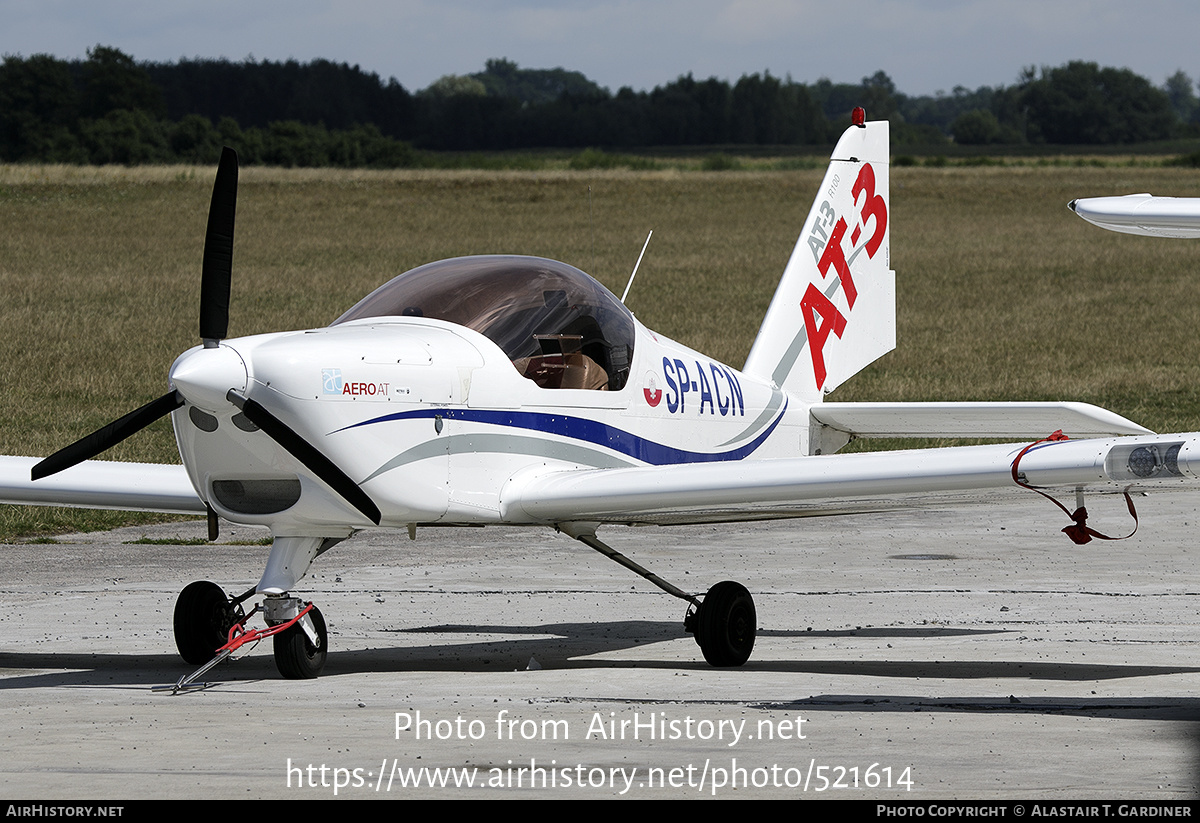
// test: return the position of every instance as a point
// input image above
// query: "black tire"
(295, 656)
(725, 625)
(203, 617)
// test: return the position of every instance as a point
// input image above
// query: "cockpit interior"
(559, 327)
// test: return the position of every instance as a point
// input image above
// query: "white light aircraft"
(519, 391)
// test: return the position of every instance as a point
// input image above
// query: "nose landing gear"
(300, 649)
(209, 627)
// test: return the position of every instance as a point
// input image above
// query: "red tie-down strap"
(1080, 532)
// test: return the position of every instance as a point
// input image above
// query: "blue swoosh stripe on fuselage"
(581, 428)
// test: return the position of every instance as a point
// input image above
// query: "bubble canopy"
(546, 316)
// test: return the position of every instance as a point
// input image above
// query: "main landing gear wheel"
(295, 655)
(203, 617)
(725, 624)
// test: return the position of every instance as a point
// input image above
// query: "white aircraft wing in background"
(1142, 214)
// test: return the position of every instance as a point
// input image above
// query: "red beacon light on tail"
(858, 117)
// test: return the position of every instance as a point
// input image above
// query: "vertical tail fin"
(834, 311)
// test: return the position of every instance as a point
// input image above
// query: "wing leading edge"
(838, 484)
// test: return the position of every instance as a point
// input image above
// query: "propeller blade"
(107, 437)
(306, 453)
(218, 251)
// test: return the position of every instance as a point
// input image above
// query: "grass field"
(1003, 293)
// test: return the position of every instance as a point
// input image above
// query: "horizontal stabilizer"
(992, 420)
(97, 484)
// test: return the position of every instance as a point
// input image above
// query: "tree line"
(109, 108)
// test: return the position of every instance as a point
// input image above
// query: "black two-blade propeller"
(216, 279)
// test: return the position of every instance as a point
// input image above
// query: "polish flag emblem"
(651, 390)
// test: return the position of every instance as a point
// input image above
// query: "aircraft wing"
(843, 483)
(97, 484)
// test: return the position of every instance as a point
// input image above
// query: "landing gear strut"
(724, 623)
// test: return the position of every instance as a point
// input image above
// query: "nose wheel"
(300, 650)
(203, 617)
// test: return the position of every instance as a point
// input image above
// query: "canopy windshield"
(560, 327)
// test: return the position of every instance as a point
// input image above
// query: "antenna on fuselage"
(635, 266)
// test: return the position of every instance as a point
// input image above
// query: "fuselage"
(433, 418)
